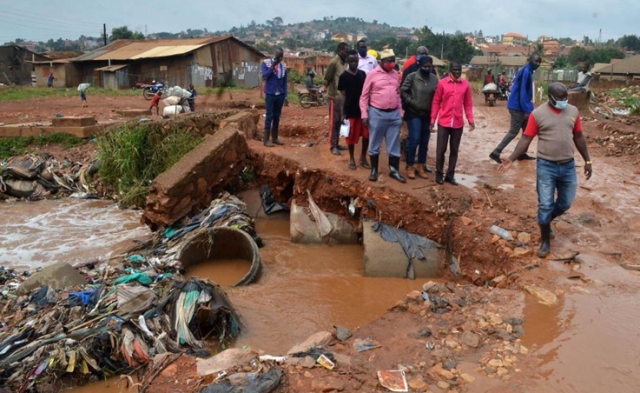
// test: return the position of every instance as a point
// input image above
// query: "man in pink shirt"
(452, 96)
(380, 111)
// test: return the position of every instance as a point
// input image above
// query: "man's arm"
(468, 108)
(405, 90)
(267, 71)
(330, 74)
(525, 90)
(581, 145)
(286, 84)
(364, 99)
(585, 81)
(435, 105)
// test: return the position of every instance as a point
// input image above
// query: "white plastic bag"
(171, 110)
(83, 86)
(171, 101)
(490, 87)
(345, 128)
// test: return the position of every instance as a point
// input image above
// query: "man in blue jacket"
(274, 73)
(520, 105)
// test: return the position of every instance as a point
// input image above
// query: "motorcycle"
(315, 97)
(148, 91)
(505, 92)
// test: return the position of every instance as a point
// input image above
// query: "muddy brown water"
(225, 272)
(589, 342)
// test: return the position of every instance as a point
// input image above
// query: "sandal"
(353, 166)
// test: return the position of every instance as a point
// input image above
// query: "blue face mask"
(363, 51)
(559, 104)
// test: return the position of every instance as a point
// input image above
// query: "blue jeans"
(552, 176)
(419, 133)
(274, 105)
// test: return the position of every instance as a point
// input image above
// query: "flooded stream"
(590, 342)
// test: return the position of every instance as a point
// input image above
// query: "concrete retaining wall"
(197, 178)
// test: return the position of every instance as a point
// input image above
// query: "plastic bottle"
(503, 233)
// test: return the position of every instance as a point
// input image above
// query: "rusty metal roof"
(146, 49)
(626, 66)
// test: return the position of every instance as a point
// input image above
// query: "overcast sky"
(41, 20)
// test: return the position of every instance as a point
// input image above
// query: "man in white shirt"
(584, 78)
(366, 62)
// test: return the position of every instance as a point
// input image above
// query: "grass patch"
(133, 156)
(17, 146)
(28, 93)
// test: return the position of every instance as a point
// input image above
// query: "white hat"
(386, 53)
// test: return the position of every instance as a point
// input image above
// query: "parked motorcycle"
(148, 91)
(312, 98)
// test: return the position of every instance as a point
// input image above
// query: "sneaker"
(524, 157)
(495, 157)
(336, 152)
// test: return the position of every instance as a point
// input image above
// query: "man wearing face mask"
(380, 110)
(411, 65)
(366, 62)
(350, 86)
(274, 74)
(331, 78)
(558, 128)
(417, 96)
(453, 95)
(520, 105)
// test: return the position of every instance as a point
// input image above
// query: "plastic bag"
(345, 128)
(490, 87)
(83, 86)
(171, 110)
(171, 101)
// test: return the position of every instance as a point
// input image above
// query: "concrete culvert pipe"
(221, 243)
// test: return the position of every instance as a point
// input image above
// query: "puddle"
(111, 385)
(225, 272)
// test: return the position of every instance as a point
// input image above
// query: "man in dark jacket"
(417, 92)
(274, 74)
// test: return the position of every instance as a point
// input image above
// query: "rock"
(498, 280)
(443, 385)
(466, 221)
(327, 385)
(452, 344)
(524, 237)
(470, 339)
(342, 360)
(490, 370)
(418, 384)
(513, 321)
(437, 370)
(495, 319)
(320, 339)
(58, 276)
(342, 333)
(440, 353)
(467, 378)
(544, 296)
(520, 252)
(495, 363)
(502, 371)
(523, 350)
(225, 360)
(449, 364)
(308, 362)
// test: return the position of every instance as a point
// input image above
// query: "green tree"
(277, 21)
(631, 42)
(561, 62)
(578, 54)
(123, 33)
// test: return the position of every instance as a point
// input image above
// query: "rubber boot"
(545, 240)
(374, 167)
(394, 164)
(266, 141)
(276, 141)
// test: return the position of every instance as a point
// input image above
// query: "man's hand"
(472, 126)
(587, 171)
(275, 61)
(286, 102)
(506, 164)
(365, 122)
(432, 127)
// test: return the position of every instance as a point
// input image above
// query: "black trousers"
(452, 137)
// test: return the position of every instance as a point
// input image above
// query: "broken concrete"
(58, 276)
(246, 122)
(37, 129)
(386, 259)
(304, 230)
(197, 178)
(73, 121)
(225, 360)
(134, 112)
(320, 340)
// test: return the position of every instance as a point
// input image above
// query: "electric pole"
(104, 33)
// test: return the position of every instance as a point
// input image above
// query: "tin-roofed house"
(204, 62)
(16, 64)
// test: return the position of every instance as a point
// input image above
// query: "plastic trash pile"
(176, 101)
(36, 177)
(117, 322)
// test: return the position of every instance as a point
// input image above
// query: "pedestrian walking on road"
(336, 67)
(380, 109)
(558, 127)
(418, 90)
(350, 86)
(83, 98)
(274, 73)
(453, 95)
(50, 80)
(520, 105)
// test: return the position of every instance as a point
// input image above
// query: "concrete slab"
(580, 100)
(29, 130)
(58, 276)
(387, 259)
(134, 112)
(254, 207)
(73, 121)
